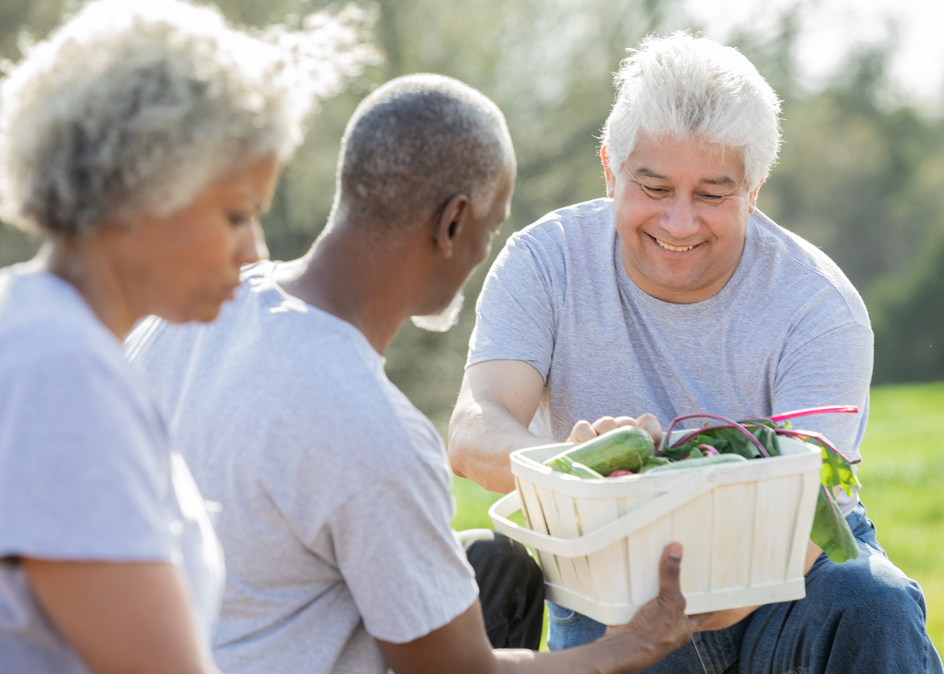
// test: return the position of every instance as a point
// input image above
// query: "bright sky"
(830, 27)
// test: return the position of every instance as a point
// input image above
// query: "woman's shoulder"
(43, 317)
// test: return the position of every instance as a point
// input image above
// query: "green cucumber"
(578, 469)
(697, 463)
(626, 447)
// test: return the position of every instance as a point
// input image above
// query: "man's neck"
(365, 286)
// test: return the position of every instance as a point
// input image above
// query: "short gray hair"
(415, 142)
(135, 105)
(687, 87)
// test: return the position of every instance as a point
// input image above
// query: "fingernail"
(675, 551)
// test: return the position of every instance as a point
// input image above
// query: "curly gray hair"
(135, 105)
(687, 87)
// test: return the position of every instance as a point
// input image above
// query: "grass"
(902, 479)
(903, 488)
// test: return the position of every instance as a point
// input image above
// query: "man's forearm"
(482, 436)
(620, 654)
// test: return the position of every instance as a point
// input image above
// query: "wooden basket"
(744, 528)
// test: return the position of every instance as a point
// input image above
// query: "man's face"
(681, 209)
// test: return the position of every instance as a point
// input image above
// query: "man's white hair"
(135, 105)
(686, 87)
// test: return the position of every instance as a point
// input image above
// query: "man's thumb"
(670, 568)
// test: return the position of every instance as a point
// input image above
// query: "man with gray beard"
(335, 489)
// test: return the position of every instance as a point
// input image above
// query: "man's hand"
(584, 430)
(657, 629)
(661, 624)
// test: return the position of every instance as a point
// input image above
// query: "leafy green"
(830, 531)
(836, 471)
(727, 441)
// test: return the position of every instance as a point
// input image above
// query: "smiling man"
(677, 295)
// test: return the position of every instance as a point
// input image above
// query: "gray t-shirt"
(335, 489)
(85, 469)
(787, 332)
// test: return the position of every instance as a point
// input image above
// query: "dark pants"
(511, 588)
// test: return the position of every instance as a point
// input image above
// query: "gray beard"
(444, 320)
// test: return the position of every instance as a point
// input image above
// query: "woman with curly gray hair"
(142, 140)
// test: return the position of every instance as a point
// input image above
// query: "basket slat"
(534, 516)
(689, 524)
(604, 585)
(732, 535)
(643, 575)
(807, 507)
(774, 523)
(562, 522)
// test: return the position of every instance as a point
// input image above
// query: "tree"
(908, 319)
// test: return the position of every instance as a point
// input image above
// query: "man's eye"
(712, 198)
(654, 191)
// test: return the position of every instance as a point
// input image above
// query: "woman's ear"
(451, 218)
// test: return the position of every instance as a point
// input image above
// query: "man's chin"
(444, 320)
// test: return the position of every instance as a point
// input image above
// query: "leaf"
(830, 530)
(768, 438)
(738, 444)
(836, 470)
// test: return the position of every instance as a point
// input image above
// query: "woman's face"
(184, 265)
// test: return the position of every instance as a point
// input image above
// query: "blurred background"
(861, 175)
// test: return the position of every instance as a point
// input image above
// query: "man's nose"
(679, 217)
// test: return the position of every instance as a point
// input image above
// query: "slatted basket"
(744, 528)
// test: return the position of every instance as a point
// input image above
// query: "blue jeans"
(861, 617)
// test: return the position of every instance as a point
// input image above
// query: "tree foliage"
(861, 173)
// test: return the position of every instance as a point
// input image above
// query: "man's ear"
(451, 219)
(752, 198)
(610, 179)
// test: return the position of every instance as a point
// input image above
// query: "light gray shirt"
(85, 469)
(788, 331)
(335, 489)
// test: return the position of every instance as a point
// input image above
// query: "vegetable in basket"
(626, 447)
(720, 442)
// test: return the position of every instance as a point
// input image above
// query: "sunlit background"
(861, 174)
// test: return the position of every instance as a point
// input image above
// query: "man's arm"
(657, 629)
(496, 403)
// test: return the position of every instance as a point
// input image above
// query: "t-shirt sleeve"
(828, 365)
(516, 310)
(81, 472)
(399, 556)
(833, 368)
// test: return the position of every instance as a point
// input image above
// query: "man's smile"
(674, 249)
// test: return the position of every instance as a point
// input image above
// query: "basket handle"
(619, 528)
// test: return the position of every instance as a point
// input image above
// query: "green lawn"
(903, 487)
